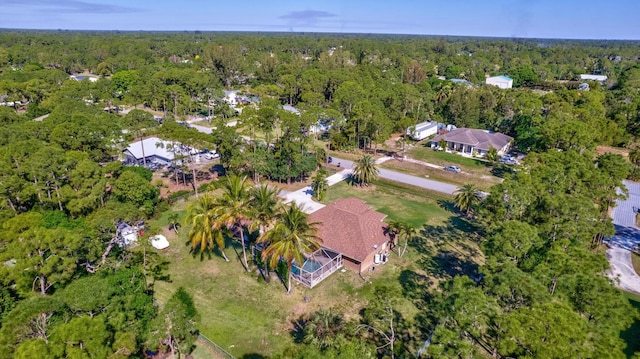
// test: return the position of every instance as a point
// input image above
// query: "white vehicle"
(211, 155)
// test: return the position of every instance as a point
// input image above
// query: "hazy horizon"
(542, 19)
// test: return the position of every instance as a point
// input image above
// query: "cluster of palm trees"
(241, 208)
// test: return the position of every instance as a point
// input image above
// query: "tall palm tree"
(290, 239)
(466, 198)
(205, 232)
(174, 222)
(366, 170)
(319, 184)
(400, 229)
(407, 232)
(232, 209)
(265, 204)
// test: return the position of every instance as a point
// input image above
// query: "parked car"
(454, 169)
(211, 155)
(329, 160)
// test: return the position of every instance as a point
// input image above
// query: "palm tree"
(174, 223)
(466, 198)
(265, 204)
(319, 184)
(205, 232)
(324, 329)
(399, 229)
(366, 170)
(232, 209)
(407, 232)
(290, 239)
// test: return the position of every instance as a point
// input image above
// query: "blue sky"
(586, 19)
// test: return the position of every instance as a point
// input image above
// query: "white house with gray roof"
(155, 150)
(472, 141)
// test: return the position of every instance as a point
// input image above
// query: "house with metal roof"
(501, 81)
(154, 149)
(471, 141)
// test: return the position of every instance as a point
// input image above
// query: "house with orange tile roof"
(352, 228)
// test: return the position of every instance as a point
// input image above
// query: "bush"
(143, 172)
(178, 194)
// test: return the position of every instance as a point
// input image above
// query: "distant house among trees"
(501, 81)
(461, 81)
(473, 142)
(352, 228)
(91, 78)
(155, 150)
(589, 77)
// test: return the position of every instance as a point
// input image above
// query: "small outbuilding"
(423, 130)
(501, 81)
(589, 77)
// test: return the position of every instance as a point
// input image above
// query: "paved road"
(405, 178)
(627, 238)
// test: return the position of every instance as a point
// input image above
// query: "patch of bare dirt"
(608, 149)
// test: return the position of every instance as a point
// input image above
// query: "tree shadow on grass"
(253, 356)
(447, 205)
(501, 170)
(297, 331)
(631, 335)
(445, 250)
(448, 264)
(413, 284)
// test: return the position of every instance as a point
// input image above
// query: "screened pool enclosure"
(317, 267)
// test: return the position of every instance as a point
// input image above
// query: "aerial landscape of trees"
(70, 289)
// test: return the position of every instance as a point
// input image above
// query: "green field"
(413, 205)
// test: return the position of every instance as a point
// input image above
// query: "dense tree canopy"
(68, 291)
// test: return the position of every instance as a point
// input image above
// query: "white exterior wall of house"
(230, 97)
(502, 82)
(590, 77)
(470, 149)
(422, 130)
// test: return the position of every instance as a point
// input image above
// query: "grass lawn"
(246, 316)
(443, 158)
(635, 259)
(413, 205)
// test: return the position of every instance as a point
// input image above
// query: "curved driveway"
(627, 238)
